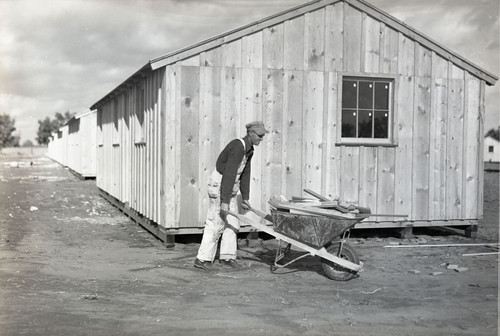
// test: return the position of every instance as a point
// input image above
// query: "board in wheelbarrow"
(314, 230)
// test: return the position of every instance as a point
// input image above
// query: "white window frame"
(389, 141)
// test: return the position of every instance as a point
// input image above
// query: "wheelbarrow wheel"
(337, 272)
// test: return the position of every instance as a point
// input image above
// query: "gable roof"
(296, 11)
(489, 136)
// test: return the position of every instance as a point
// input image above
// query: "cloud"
(60, 55)
(459, 25)
(467, 28)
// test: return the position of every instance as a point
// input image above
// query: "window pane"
(365, 95)
(381, 125)
(140, 105)
(365, 124)
(382, 96)
(349, 94)
(348, 123)
(115, 113)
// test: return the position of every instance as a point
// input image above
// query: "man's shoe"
(206, 265)
(231, 263)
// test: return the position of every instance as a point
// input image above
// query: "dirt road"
(71, 264)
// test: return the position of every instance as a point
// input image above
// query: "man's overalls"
(215, 225)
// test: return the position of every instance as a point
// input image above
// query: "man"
(232, 175)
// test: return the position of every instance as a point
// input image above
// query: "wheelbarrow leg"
(280, 254)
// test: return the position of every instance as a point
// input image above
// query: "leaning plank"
(315, 194)
(334, 204)
(479, 254)
(444, 245)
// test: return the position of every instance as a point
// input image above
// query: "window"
(366, 109)
(116, 112)
(100, 138)
(490, 149)
(139, 115)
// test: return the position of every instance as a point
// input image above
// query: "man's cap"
(257, 126)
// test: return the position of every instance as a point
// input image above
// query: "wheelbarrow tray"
(313, 251)
(314, 230)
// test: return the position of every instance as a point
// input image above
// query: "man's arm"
(227, 164)
(245, 179)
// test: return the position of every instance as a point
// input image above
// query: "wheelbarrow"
(317, 235)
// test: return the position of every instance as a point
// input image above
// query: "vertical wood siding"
(173, 123)
(292, 133)
(58, 146)
(74, 145)
(130, 147)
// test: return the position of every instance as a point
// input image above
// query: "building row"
(74, 144)
(360, 107)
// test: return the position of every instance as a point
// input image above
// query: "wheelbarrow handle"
(262, 214)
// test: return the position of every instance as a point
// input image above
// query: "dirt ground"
(72, 264)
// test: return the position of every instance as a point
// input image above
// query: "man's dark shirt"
(227, 165)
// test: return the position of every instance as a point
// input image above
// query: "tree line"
(494, 133)
(47, 126)
(9, 138)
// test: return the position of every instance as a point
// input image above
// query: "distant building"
(491, 149)
(74, 144)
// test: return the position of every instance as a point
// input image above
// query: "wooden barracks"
(360, 106)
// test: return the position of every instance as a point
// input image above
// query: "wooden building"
(491, 149)
(58, 146)
(53, 147)
(360, 106)
(74, 145)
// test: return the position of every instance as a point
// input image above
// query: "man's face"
(255, 138)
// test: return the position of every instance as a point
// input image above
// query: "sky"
(65, 55)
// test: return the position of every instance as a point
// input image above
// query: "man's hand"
(245, 205)
(224, 209)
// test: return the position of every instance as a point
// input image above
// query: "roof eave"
(197, 48)
(141, 73)
(388, 19)
(371, 10)
(239, 32)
